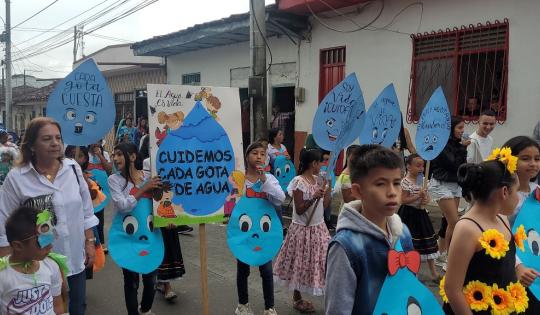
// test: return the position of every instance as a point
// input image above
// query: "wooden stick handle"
(426, 174)
(204, 268)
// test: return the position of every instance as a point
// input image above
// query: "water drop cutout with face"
(433, 127)
(402, 293)
(528, 218)
(134, 243)
(340, 116)
(254, 232)
(284, 171)
(383, 119)
(83, 105)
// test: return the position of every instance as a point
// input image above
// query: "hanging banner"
(83, 105)
(383, 119)
(339, 118)
(433, 129)
(195, 146)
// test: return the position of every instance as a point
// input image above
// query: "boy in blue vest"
(366, 231)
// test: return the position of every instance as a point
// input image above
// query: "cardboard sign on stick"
(83, 105)
(195, 143)
(433, 129)
(383, 119)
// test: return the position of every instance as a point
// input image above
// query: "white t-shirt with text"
(30, 294)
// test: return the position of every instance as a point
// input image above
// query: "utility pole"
(257, 81)
(9, 120)
(74, 44)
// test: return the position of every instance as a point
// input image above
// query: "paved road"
(105, 291)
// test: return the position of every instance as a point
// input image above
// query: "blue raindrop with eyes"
(528, 216)
(340, 116)
(404, 294)
(100, 177)
(433, 129)
(254, 232)
(134, 244)
(83, 105)
(383, 119)
(284, 171)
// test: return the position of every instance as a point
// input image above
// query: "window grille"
(191, 79)
(471, 65)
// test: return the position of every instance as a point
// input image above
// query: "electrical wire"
(360, 27)
(264, 39)
(38, 12)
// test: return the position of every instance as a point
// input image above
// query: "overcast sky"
(161, 17)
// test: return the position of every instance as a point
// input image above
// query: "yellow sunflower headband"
(504, 155)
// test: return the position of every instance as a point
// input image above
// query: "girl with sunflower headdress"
(481, 278)
(528, 152)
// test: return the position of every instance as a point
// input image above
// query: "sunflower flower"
(477, 295)
(441, 290)
(519, 237)
(504, 156)
(518, 293)
(494, 243)
(502, 302)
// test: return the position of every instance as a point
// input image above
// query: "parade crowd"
(52, 236)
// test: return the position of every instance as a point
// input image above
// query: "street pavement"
(105, 291)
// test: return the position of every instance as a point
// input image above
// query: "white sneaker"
(243, 309)
(146, 313)
(441, 260)
(270, 311)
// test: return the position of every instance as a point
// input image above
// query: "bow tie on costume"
(397, 260)
(537, 193)
(251, 193)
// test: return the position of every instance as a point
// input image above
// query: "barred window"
(191, 79)
(471, 65)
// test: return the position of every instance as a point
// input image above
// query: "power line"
(38, 12)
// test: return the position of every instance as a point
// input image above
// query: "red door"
(332, 71)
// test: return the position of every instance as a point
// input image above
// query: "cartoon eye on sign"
(530, 256)
(402, 293)
(383, 119)
(83, 105)
(284, 171)
(340, 116)
(433, 129)
(254, 232)
(134, 244)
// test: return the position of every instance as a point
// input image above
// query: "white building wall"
(383, 57)
(117, 53)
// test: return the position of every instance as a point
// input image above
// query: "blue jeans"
(77, 293)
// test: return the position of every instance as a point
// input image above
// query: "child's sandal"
(304, 306)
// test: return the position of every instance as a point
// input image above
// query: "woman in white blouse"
(45, 180)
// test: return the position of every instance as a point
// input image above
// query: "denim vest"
(368, 258)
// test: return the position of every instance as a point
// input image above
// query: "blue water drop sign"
(433, 128)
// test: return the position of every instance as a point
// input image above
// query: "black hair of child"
(410, 158)
(478, 181)
(308, 156)
(253, 146)
(272, 134)
(454, 121)
(371, 156)
(128, 148)
(352, 149)
(21, 224)
(70, 153)
(520, 143)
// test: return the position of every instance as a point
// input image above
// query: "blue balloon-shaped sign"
(284, 171)
(403, 294)
(254, 232)
(197, 160)
(383, 119)
(134, 244)
(528, 218)
(340, 116)
(101, 177)
(433, 129)
(83, 105)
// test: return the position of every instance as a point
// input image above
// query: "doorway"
(283, 99)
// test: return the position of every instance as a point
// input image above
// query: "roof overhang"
(231, 30)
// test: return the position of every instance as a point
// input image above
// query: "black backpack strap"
(76, 175)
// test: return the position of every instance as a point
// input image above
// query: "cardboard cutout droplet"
(83, 105)
(433, 128)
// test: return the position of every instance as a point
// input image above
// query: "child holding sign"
(301, 263)
(255, 159)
